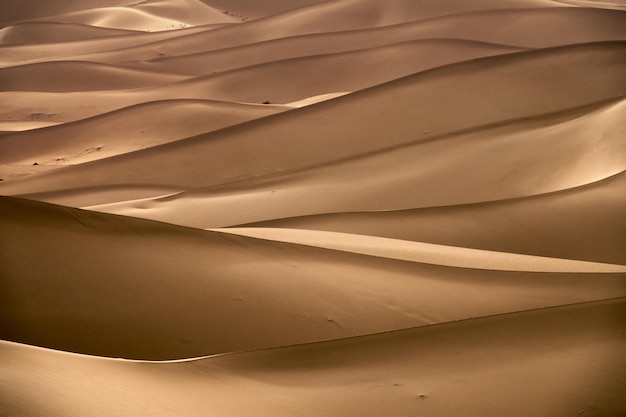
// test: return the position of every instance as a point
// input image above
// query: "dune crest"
(422, 252)
(312, 208)
(436, 370)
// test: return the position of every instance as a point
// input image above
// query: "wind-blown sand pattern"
(312, 208)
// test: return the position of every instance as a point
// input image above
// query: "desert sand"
(312, 208)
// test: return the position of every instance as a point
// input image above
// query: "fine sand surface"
(312, 208)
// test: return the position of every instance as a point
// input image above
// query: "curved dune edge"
(20, 126)
(316, 99)
(240, 84)
(616, 4)
(31, 54)
(505, 27)
(423, 252)
(148, 15)
(137, 127)
(79, 76)
(432, 226)
(203, 161)
(30, 33)
(581, 223)
(149, 290)
(486, 165)
(284, 49)
(322, 342)
(439, 371)
(262, 186)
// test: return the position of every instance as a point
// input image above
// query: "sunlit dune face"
(312, 208)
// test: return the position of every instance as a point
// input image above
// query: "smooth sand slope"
(557, 362)
(77, 76)
(369, 120)
(517, 160)
(422, 252)
(33, 53)
(582, 223)
(48, 32)
(312, 208)
(504, 27)
(241, 85)
(508, 26)
(14, 10)
(154, 291)
(155, 15)
(253, 9)
(136, 127)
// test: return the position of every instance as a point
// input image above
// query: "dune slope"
(312, 208)
(516, 160)
(437, 370)
(124, 301)
(364, 121)
(582, 223)
(136, 127)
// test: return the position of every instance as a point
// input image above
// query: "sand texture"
(312, 208)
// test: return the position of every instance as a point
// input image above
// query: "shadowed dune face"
(313, 208)
(72, 77)
(366, 124)
(46, 32)
(582, 223)
(146, 15)
(560, 152)
(436, 370)
(136, 127)
(124, 302)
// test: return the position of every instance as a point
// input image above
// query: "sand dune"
(137, 127)
(318, 19)
(240, 86)
(422, 252)
(614, 4)
(42, 32)
(123, 18)
(583, 223)
(28, 53)
(253, 9)
(89, 196)
(283, 49)
(21, 125)
(78, 76)
(155, 15)
(14, 10)
(506, 27)
(437, 370)
(365, 122)
(384, 64)
(576, 26)
(357, 14)
(577, 148)
(500, 26)
(29, 105)
(124, 302)
(312, 208)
